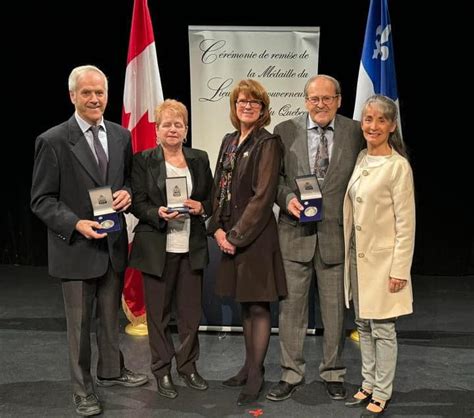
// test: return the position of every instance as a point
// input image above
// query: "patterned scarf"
(227, 167)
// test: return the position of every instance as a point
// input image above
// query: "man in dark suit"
(315, 246)
(71, 159)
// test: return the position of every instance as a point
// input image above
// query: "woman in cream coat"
(379, 232)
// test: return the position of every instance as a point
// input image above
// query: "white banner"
(281, 58)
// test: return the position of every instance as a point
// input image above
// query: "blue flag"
(377, 65)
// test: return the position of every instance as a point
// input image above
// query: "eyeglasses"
(327, 100)
(253, 103)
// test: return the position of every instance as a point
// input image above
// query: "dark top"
(255, 273)
(149, 193)
(65, 169)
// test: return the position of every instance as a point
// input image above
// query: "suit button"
(358, 227)
(358, 199)
(365, 173)
(361, 255)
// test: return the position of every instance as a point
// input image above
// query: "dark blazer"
(65, 169)
(298, 240)
(149, 193)
(255, 273)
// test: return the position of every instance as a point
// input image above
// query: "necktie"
(321, 162)
(99, 150)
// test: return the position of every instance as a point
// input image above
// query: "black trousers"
(182, 287)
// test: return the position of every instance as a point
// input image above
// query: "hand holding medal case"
(310, 197)
(102, 200)
(177, 194)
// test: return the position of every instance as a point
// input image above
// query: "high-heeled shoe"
(240, 379)
(235, 381)
(355, 402)
(248, 398)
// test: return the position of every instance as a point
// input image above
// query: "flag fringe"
(134, 320)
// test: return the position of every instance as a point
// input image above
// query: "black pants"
(182, 287)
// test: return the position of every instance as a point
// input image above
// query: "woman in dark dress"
(244, 227)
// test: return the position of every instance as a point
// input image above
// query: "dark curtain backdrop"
(62, 35)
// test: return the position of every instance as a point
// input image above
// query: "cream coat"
(383, 217)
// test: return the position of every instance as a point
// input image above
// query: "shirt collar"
(310, 124)
(86, 125)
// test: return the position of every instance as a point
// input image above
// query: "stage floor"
(435, 374)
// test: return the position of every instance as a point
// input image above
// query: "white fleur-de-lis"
(381, 38)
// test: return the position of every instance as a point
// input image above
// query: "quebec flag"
(377, 65)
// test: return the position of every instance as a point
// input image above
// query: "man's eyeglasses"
(253, 103)
(327, 100)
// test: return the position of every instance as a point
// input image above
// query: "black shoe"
(194, 381)
(127, 378)
(240, 379)
(166, 387)
(246, 398)
(283, 390)
(355, 402)
(87, 406)
(235, 381)
(336, 390)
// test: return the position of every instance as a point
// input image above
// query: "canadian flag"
(142, 93)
